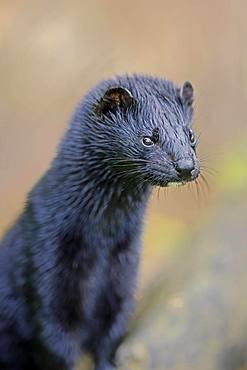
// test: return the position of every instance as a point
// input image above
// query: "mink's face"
(150, 132)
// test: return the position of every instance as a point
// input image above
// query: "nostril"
(184, 167)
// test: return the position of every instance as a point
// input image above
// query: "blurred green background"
(51, 53)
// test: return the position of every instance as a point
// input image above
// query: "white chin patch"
(175, 184)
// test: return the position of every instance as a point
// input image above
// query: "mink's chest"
(85, 279)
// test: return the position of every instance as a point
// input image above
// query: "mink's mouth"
(174, 181)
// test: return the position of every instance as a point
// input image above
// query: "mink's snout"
(186, 169)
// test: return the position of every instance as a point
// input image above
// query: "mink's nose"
(184, 168)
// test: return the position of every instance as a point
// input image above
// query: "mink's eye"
(147, 141)
(192, 138)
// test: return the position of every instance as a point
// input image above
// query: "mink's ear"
(186, 93)
(114, 98)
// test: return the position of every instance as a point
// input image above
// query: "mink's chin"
(169, 184)
(173, 182)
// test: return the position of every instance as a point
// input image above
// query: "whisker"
(205, 181)
(165, 192)
(158, 193)
(190, 187)
(198, 193)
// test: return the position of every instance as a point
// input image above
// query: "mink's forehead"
(157, 111)
(157, 100)
(167, 125)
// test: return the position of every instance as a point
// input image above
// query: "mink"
(69, 264)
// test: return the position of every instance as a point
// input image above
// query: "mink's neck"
(75, 196)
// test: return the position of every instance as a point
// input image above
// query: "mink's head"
(140, 128)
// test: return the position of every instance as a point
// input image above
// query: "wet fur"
(69, 264)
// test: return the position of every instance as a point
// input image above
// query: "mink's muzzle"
(187, 169)
(180, 172)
